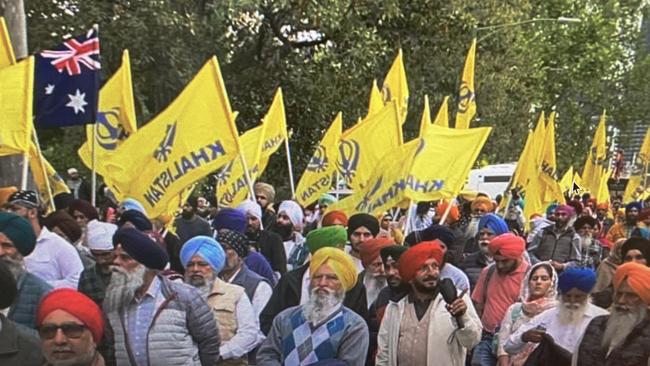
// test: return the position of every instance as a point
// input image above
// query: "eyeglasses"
(70, 330)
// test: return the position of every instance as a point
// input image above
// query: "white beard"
(320, 306)
(373, 286)
(205, 286)
(572, 313)
(620, 324)
(121, 290)
(585, 242)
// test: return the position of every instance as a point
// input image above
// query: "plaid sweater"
(93, 283)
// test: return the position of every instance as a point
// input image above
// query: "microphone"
(449, 294)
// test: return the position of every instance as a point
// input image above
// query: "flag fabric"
(523, 170)
(466, 95)
(363, 145)
(425, 120)
(16, 107)
(442, 118)
(566, 183)
(191, 138)
(432, 167)
(275, 131)
(595, 165)
(115, 118)
(232, 186)
(548, 165)
(376, 102)
(539, 136)
(7, 56)
(603, 191)
(66, 83)
(44, 174)
(637, 186)
(395, 87)
(321, 169)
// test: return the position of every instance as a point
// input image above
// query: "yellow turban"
(339, 262)
(637, 276)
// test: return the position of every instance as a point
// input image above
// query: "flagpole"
(447, 210)
(293, 188)
(46, 178)
(336, 183)
(409, 217)
(25, 172)
(93, 195)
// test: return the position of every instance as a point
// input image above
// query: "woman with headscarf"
(538, 293)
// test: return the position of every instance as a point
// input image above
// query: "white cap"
(100, 235)
(72, 171)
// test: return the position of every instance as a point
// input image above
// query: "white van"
(492, 179)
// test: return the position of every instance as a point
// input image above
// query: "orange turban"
(369, 250)
(454, 214)
(508, 245)
(602, 206)
(332, 216)
(412, 259)
(5, 192)
(637, 276)
(484, 203)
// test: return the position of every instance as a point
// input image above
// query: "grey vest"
(248, 280)
(552, 247)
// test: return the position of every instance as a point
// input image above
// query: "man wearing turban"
(268, 243)
(203, 258)
(622, 337)
(189, 224)
(565, 324)
(18, 241)
(489, 226)
(95, 279)
(591, 249)
(558, 243)
(148, 311)
(361, 227)
(69, 320)
(265, 196)
(605, 220)
(373, 277)
(322, 328)
(289, 224)
(422, 328)
(497, 288)
(623, 229)
(293, 288)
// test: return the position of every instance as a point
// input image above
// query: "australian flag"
(66, 83)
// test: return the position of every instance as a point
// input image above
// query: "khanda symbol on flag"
(318, 162)
(108, 134)
(224, 174)
(465, 97)
(364, 205)
(165, 148)
(348, 159)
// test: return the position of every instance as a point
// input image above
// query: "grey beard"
(373, 286)
(472, 228)
(620, 324)
(204, 285)
(121, 290)
(570, 313)
(16, 266)
(319, 307)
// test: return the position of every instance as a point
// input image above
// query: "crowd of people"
(274, 283)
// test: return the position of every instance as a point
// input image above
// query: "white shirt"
(357, 261)
(247, 336)
(565, 335)
(55, 261)
(304, 289)
(261, 295)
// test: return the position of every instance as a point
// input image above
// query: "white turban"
(251, 208)
(293, 210)
(100, 235)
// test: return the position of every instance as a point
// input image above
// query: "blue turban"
(583, 279)
(551, 209)
(206, 247)
(260, 265)
(494, 223)
(631, 205)
(137, 218)
(231, 219)
(132, 204)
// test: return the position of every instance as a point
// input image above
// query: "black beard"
(285, 231)
(631, 221)
(187, 215)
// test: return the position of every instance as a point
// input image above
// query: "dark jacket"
(635, 350)
(93, 283)
(270, 245)
(561, 247)
(173, 245)
(248, 280)
(186, 229)
(31, 289)
(472, 265)
(17, 347)
(287, 294)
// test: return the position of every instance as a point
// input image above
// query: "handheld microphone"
(449, 294)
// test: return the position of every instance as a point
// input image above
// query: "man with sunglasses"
(71, 326)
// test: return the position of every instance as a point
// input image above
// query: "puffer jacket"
(31, 289)
(183, 330)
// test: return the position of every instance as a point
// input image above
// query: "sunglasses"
(70, 330)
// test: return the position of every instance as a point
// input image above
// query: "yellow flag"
(395, 86)
(523, 171)
(363, 145)
(638, 187)
(442, 118)
(321, 169)
(595, 165)
(232, 187)
(603, 190)
(115, 118)
(426, 116)
(539, 137)
(275, 133)
(44, 174)
(566, 183)
(193, 136)
(376, 103)
(548, 167)
(533, 202)
(16, 107)
(466, 96)
(7, 56)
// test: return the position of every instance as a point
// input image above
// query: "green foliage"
(326, 53)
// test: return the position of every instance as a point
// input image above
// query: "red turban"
(76, 304)
(637, 276)
(411, 261)
(369, 250)
(508, 245)
(330, 217)
(454, 214)
(602, 206)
